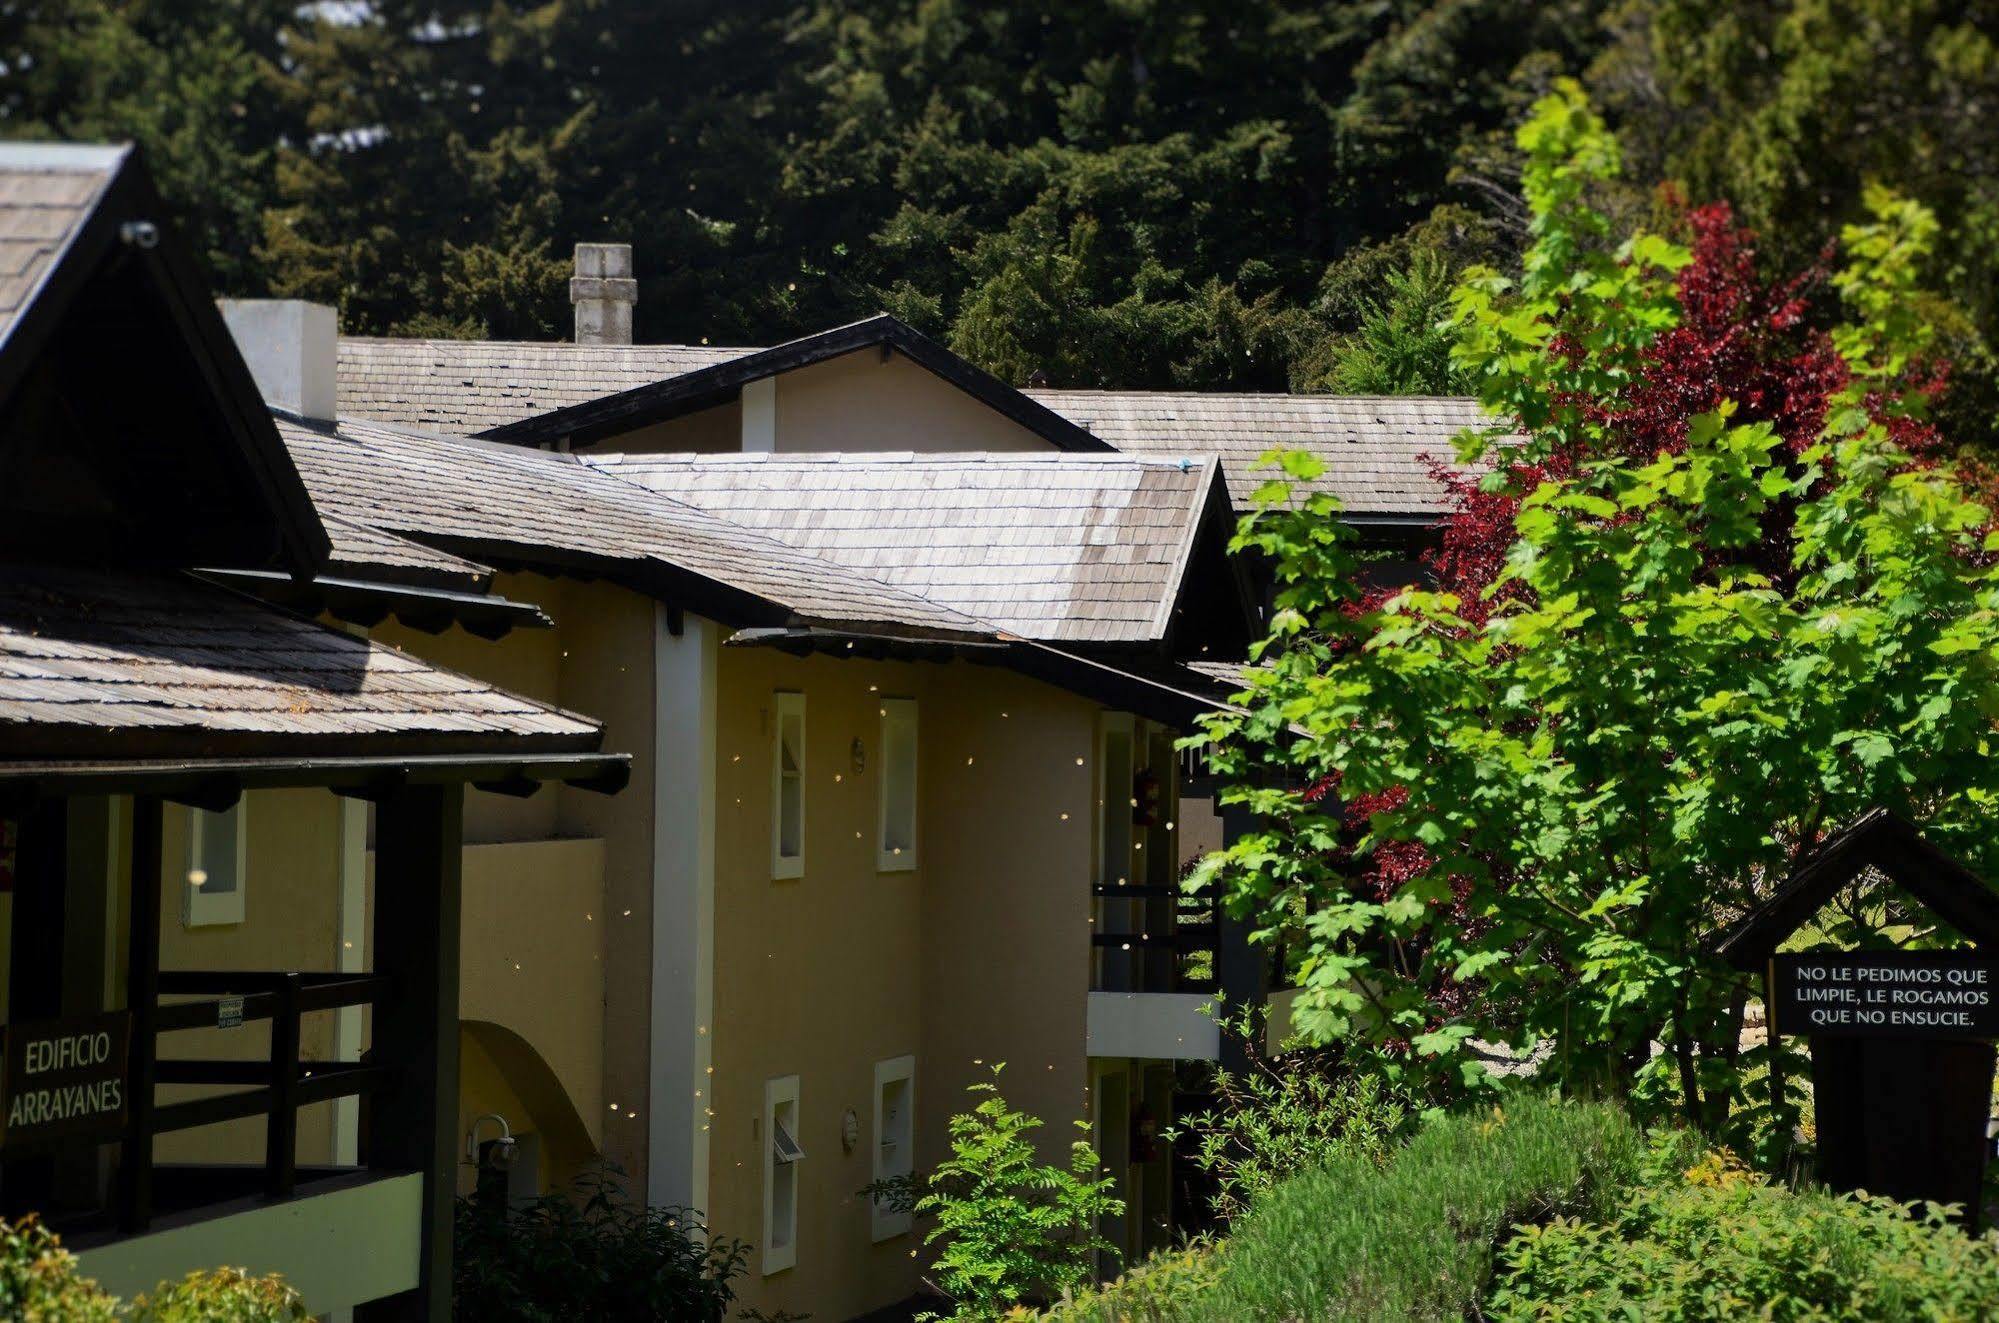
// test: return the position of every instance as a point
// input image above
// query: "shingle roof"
(47, 191)
(465, 386)
(362, 552)
(1374, 447)
(1076, 548)
(94, 661)
(502, 502)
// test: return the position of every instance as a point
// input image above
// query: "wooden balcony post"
(1242, 971)
(413, 1120)
(142, 995)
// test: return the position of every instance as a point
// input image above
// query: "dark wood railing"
(1174, 940)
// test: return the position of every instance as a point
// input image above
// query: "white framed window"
(782, 1154)
(787, 787)
(895, 1138)
(897, 835)
(217, 866)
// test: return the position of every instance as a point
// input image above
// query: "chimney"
(291, 347)
(604, 293)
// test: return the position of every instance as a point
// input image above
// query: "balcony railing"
(1154, 938)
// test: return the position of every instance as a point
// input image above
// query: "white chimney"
(292, 348)
(604, 293)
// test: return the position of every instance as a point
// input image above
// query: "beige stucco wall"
(979, 952)
(291, 920)
(858, 401)
(597, 660)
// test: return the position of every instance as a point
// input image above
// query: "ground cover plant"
(40, 1283)
(1716, 598)
(1718, 1241)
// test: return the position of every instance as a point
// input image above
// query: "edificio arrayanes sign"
(65, 1077)
(1905, 994)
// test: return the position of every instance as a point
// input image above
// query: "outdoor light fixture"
(504, 1152)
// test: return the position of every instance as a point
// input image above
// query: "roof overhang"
(594, 420)
(367, 603)
(209, 780)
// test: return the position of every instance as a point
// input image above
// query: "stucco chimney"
(604, 293)
(292, 348)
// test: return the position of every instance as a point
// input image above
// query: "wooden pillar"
(1242, 970)
(142, 995)
(413, 1119)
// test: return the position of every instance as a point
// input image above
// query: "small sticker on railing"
(229, 1013)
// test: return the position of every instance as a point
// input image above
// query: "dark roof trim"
(1215, 524)
(606, 773)
(367, 603)
(1883, 840)
(592, 421)
(130, 198)
(1114, 688)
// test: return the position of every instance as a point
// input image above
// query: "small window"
(895, 1138)
(898, 784)
(787, 843)
(782, 1154)
(216, 867)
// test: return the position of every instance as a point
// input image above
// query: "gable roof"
(582, 424)
(115, 366)
(511, 505)
(1878, 839)
(1071, 548)
(1377, 449)
(468, 386)
(94, 662)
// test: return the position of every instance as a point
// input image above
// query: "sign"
(229, 1013)
(65, 1077)
(1897, 994)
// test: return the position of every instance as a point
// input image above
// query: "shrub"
(1414, 1239)
(1014, 1229)
(221, 1295)
(1718, 1242)
(1158, 1290)
(1284, 1116)
(593, 1254)
(39, 1282)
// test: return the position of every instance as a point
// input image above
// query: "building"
(230, 835)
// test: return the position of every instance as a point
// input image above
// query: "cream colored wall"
(596, 660)
(981, 952)
(858, 401)
(291, 921)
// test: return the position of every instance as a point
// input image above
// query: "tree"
(1571, 784)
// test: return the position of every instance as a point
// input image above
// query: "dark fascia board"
(130, 197)
(606, 773)
(1214, 528)
(1883, 840)
(366, 602)
(593, 420)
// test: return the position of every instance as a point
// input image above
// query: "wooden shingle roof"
(467, 386)
(96, 663)
(1061, 548)
(364, 552)
(1376, 448)
(508, 505)
(47, 191)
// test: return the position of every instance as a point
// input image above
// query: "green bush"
(1158, 1290)
(39, 1283)
(1013, 1228)
(1414, 1239)
(591, 1255)
(221, 1295)
(1718, 1242)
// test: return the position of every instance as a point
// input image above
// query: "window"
(787, 788)
(895, 1130)
(782, 1154)
(898, 785)
(216, 869)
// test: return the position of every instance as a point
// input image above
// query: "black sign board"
(1892, 994)
(65, 1077)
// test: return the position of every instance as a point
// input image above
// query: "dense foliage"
(1143, 193)
(588, 1253)
(1705, 644)
(1718, 1242)
(40, 1283)
(1011, 1228)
